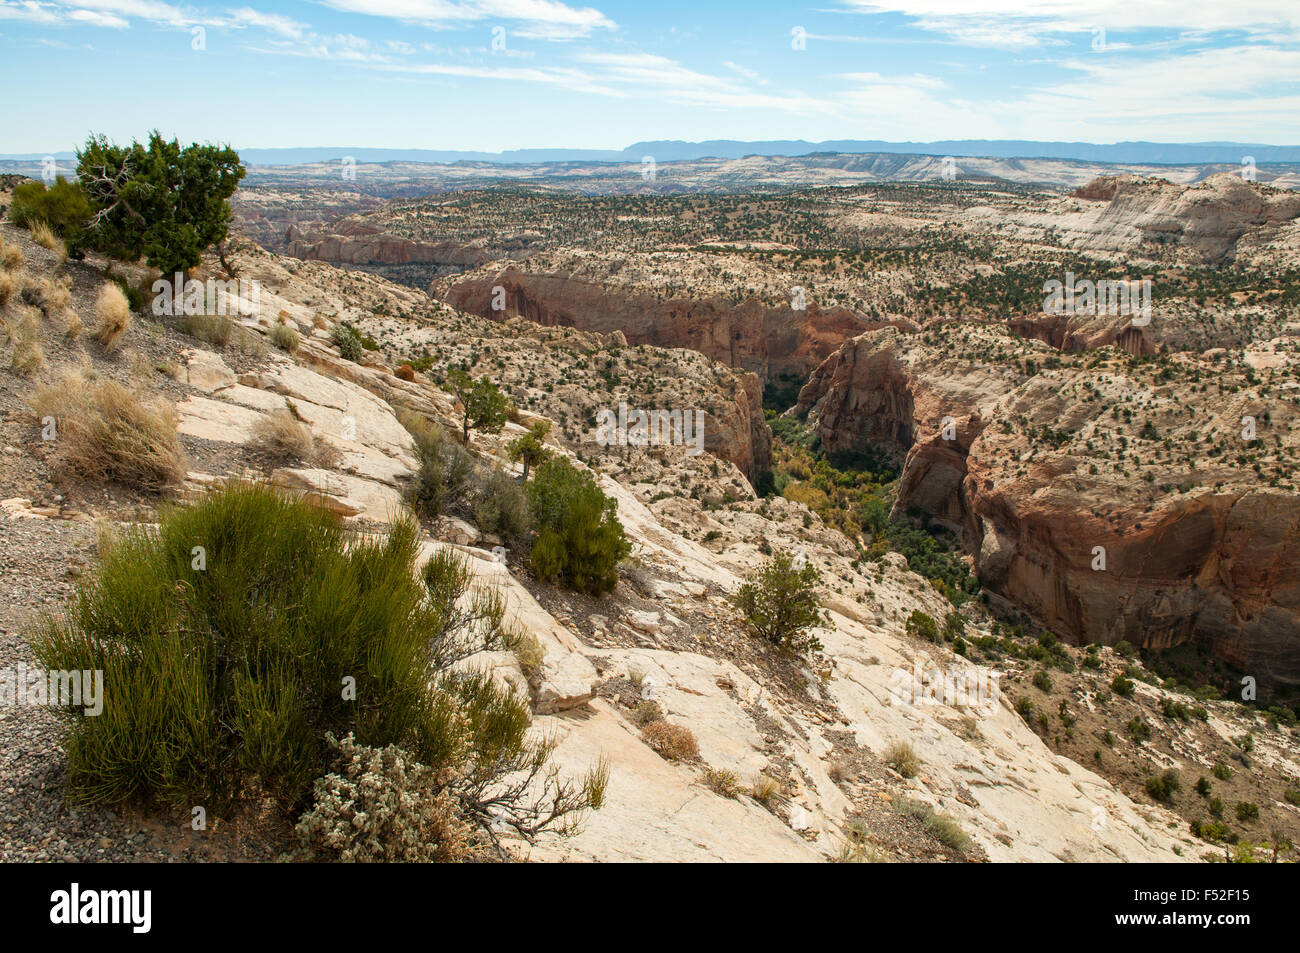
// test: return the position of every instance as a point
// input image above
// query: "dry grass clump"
(647, 712)
(767, 790)
(283, 436)
(8, 287)
(405, 372)
(44, 236)
(674, 742)
(114, 315)
(52, 295)
(903, 758)
(24, 333)
(105, 432)
(11, 257)
(213, 328)
(284, 337)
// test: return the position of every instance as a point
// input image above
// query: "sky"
(506, 74)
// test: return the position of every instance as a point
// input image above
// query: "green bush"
(779, 602)
(348, 340)
(1162, 787)
(249, 627)
(1122, 686)
(1042, 681)
(501, 507)
(580, 541)
(444, 482)
(922, 626)
(64, 207)
(284, 337)
(1246, 811)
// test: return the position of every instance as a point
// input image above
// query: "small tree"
(921, 625)
(779, 602)
(482, 402)
(529, 449)
(162, 202)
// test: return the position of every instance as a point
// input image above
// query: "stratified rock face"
(1204, 221)
(355, 243)
(1097, 531)
(750, 335)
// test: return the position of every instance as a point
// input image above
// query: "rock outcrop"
(767, 340)
(1101, 528)
(353, 242)
(1203, 221)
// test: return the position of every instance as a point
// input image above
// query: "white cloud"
(534, 19)
(274, 22)
(1025, 22)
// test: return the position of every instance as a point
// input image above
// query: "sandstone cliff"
(766, 339)
(1043, 472)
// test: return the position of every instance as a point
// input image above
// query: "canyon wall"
(1096, 556)
(765, 340)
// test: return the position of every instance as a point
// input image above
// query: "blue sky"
(605, 74)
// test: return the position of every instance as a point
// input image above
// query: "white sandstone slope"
(674, 630)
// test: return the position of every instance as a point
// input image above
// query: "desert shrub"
(921, 625)
(53, 296)
(767, 790)
(114, 315)
(216, 329)
(1162, 787)
(645, 712)
(674, 742)
(348, 340)
(1203, 787)
(1246, 811)
(1025, 708)
(779, 603)
(1122, 686)
(62, 209)
(1138, 729)
(284, 337)
(580, 541)
(1042, 680)
(1221, 771)
(444, 483)
(720, 782)
(282, 436)
(529, 653)
(24, 334)
(404, 372)
(227, 669)
(501, 507)
(378, 807)
(11, 257)
(9, 285)
(902, 757)
(944, 828)
(104, 432)
(44, 236)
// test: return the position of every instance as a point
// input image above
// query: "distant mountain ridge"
(672, 150)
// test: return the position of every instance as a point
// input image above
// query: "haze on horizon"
(494, 75)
